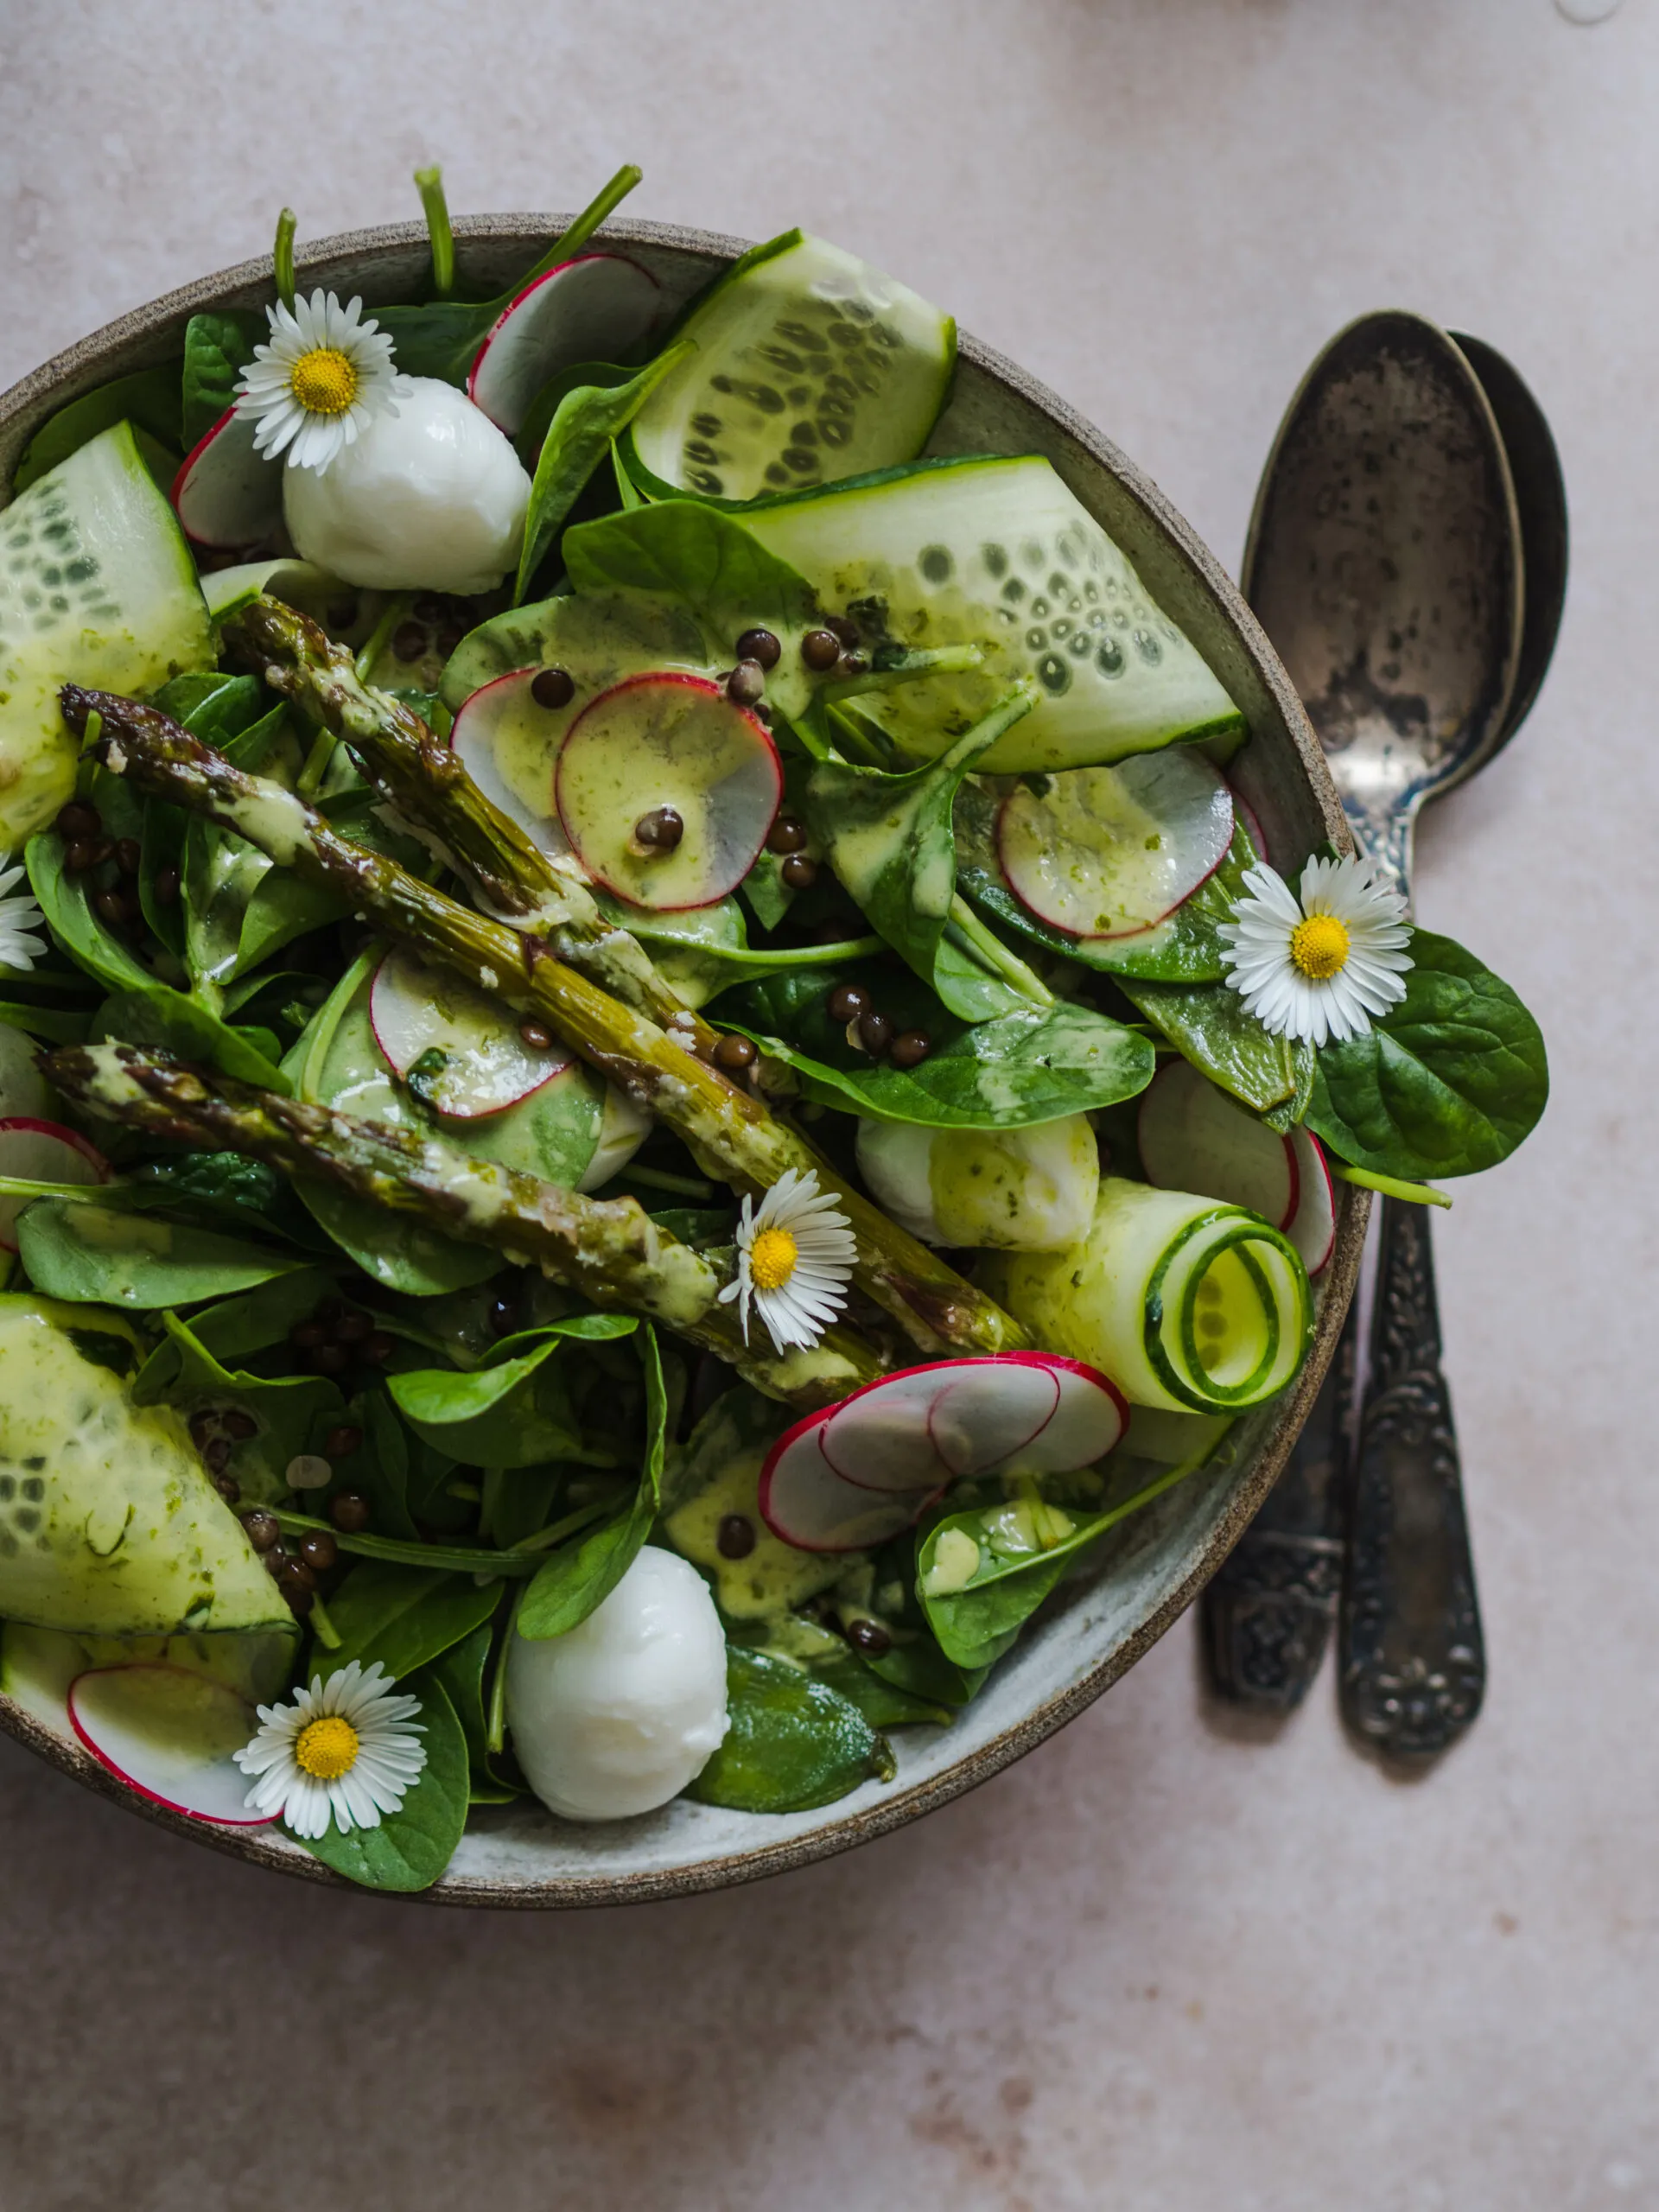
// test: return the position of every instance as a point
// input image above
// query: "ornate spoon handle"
(1413, 1661)
(1267, 1613)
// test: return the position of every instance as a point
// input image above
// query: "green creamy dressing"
(109, 1525)
(982, 1182)
(771, 1580)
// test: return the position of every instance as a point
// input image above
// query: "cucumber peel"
(809, 366)
(97, 587)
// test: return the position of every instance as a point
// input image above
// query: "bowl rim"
(93, 360)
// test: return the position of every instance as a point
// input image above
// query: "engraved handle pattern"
(1267, 1613)
(1413, 1660)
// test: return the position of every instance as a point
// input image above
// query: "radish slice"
(1107, 852)
(593, 309)
(486, 1067)
(806, 1504)
(1088, 1422)
(502, 721)
(989, 1411)
(1194, 1138)
(42, 1152)
(227, 496)
(170, 1734)
(668, 741)
(1252, 821)
(1313, 1228)
(24, 1092)
(881, 1438)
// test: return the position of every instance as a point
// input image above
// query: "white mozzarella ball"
(24, 1092)
(432, 498)
(618, 1716)
(998, 1190)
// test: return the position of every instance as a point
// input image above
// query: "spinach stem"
(557, 1531)
(495, 1734)
(972, 933)
(391, 615)
(658, 1179)
(430, 184)
(570, 242)
(454, 1559)
(316, 764)
(1392, 1186)
(319, 1624)
(282, 257)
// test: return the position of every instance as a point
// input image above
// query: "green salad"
(652, 1063)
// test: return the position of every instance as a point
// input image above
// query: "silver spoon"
(1385, 560)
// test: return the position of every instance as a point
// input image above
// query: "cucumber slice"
(810, 366)
(109, 1524)
(999, 554)
(97, 587)
(1190, 1306)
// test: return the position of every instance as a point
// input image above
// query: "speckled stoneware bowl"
(1151, 1569)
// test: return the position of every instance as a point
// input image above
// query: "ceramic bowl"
(1151, 1569)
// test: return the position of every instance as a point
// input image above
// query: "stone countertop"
(1170, 1962)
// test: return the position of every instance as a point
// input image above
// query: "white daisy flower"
(1321, 967)
(20, 917)
(794, 1261)
(324, 377)
(345, 1750)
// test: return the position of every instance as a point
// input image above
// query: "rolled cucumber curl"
(1189, 1306)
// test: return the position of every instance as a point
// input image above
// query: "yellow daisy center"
(1319, 947)
(324, 381)
(771, 1259)
(326, 1748)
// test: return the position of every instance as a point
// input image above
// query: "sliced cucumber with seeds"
(1190, 1306)
(97, 587)
(810, 366)
(1000, 554)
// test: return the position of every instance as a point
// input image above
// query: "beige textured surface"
(1157, 1966)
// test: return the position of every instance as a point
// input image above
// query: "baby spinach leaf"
(508, 1415)
(1210, 1025)
(93, 1254)
(462, 1670)
(883, 1704)
(579, 1577)
(66, 901)
(587, 419)
(411, 1847)
(222, 1189)
(679, 549)
(920, 1670)
(703, 950)
(1182, 949)
(158, 1016)
(54, 1025)
(1446, 1083)
(404, 1617)
(1019, 1069)
(217, 348)
(793, 1743)
(531, 433)
(379, 1467)
(1020, 1560)
(890, 841)
(288, 1410)
(150, 398)
(214, 707)
(256, 1319)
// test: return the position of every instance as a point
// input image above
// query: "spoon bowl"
(1384, 562)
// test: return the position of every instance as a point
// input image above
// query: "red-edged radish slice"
(1194, 1138)
(227, 495)
(170, 1734)
(593, 309)
(1313, 1228)
(806, 1504)
(881, 1438)
(1252, 821)
(24, 1092)
(1107, 852)
(989, 1410)
(42, 1152)
(658, 742)
(499, 723)
(486, 1066)
(1087, 1423)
